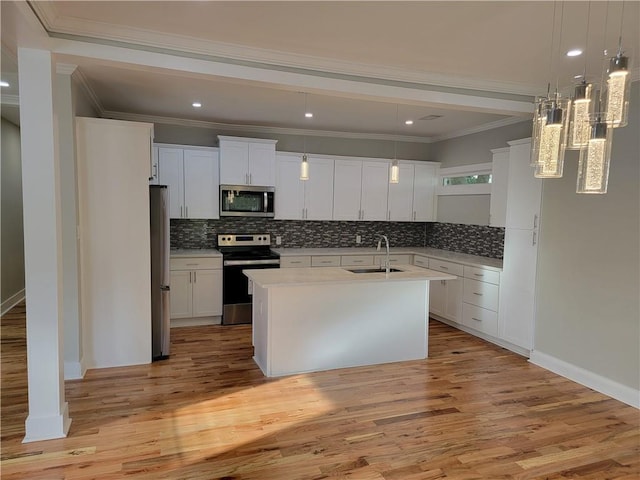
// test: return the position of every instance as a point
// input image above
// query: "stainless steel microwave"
(246, 201)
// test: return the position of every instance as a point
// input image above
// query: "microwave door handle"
(266, 202)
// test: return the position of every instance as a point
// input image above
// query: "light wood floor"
(471, 411)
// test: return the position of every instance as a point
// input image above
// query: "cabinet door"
(453, 306)
(153, 179)
(207, 293)
(524, 191)
(234, 162)
(499, 184)
(347, 189)
(170, 166)
(375, 189)
(180, 294)
(437, 297)
(262, 157)
(424, 192)
(201, 184)
(290, 189)
(401, 195)
(517, 288)
(318, 190)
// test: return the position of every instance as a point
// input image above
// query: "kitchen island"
(313, 319)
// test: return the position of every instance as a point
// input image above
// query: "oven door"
(235, 289)
(246, 201)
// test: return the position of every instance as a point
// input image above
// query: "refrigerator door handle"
(166, 322)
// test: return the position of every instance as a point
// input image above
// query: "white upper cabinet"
(401, 195)
(192, 177)
(247, 161)
(303, 199)
(524, 190)
(499, 183)
(153, 178)
(347, 189)
(375, 189)
(424, 192)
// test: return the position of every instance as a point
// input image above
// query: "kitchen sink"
(372, 270)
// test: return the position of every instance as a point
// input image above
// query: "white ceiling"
(473, 64)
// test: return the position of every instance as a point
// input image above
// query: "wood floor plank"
(471, 411)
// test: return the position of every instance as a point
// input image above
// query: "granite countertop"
(194, 253)
(280, 277)
(474, 260)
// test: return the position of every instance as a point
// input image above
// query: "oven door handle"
(233, 263)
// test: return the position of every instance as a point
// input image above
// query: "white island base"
(321, 326)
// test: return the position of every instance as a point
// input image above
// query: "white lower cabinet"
(196, 287)
(445, 296)
(480, 297)
(301, 261)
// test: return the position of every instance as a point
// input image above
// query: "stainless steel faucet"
(386, 241)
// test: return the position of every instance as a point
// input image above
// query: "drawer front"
(199, 263)
(481, 319)
(482, 275)
(445, 267)
(295, 262)
(325, 261)
(356, 260)
(394, 259)
(482, 294)
(421, 261)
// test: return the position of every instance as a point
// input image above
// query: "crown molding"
(481, 128)
(66, 68)
(137, 38)
(260, 129)
(82, 81)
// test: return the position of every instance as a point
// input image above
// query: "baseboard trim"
(587, 378)
(47, 428)
(12, 301)
(74, 370)
(195, 321)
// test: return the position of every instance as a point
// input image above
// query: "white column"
(48, 412)
(65, 114)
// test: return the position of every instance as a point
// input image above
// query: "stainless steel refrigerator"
(160, 306)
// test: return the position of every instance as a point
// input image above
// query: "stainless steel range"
(241, 252)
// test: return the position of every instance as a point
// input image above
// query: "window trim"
(469, 189)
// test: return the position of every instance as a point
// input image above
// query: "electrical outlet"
(278, 240)
(358, 239)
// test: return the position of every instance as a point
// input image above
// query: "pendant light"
(553, 140)
(618, 85)
(579, 126)
(304, 165)
(593, 164)
(394, 174)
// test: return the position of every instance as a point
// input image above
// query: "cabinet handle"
(414, 216)
(190, 281)
(479, 274)
(302, 213)
(195, 277)
(155, 170)
(192, 264)
(535, 221)
(250, 179)
(186, 211)
(476, 319)
(295, 261)
(478, 294)
(534, 239)
(181, 211)
(443, 282)
(444, 268)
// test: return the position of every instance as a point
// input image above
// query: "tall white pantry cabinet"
(517, 283)
(114, 159)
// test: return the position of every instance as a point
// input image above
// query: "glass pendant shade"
(553, 141)
(579, 127)
(618, 91)
(394, 177)
(304, 168)
(539, 119)
(593, 165)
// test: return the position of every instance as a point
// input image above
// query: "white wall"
(12, 238)
(588, 312)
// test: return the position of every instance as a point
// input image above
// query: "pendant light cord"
(586, 43)
(620, 36)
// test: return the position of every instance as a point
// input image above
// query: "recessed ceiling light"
(4, 84)
(574, 53)
(308, 115)
(408, 122)
(196, 104)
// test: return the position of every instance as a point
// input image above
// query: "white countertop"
(473, 260)
(194, 253)
(273, 277)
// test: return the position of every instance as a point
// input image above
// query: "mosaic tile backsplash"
(471, 239)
